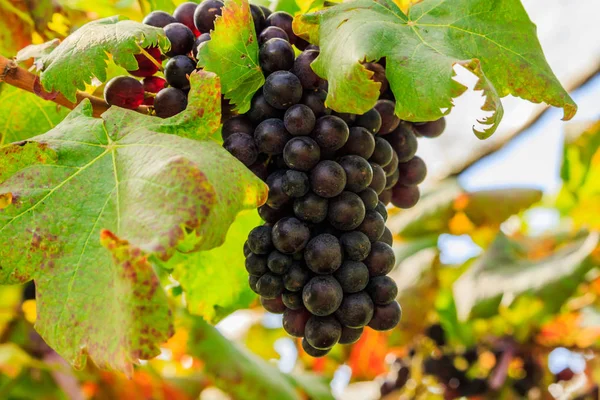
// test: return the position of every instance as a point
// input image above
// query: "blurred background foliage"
(500, 286)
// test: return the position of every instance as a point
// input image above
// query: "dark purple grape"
(385, 197)
(269, 286)
(371, 121)
(382, 154)
(153, 84)
(346, 211)
(356, 310)
(296, 277)
(290, 235)
(277, 197)
(392, 166)
(311, 208)
(391, 180)
(358, 173)
(239, 123)
(323, 254)
(292, 300)
(386, 317)
(412, 172)
(252, 281)
(205, 37)
(299, 120)
(258, 17)
(206, 13)
(379, 178)
(271, 136)
(431, 129)
(373, 225)
(382, 289)
(259, 240)
(266, 11)
(405, 196)
(356, 245)
(331, 132)
(389, 120)
(146, 66)
(346, 117)
(403, 141)
(256, 265)
(282, 89)
(315, 100)
(279, 263)
(295, 183)
(313, 352)
(350, 335)
(369, 198)
(125, 92)
(272, 215)
(247, 250)
(159, 19)
(381, 259)
(169, 101)
(301, 153)
(327, 179)
(240, 145)
(282, 20)
(184, 13)
(302, 69)
(274, 306)
(360, 142)
(276, 55)
(387, 237)
(322, 332)
(181, 38)
(322, 295)
(177, 71)
(378, 75)
(294, 321)
(353, 276)
(382, 210)
(272, 32)
(261, 110)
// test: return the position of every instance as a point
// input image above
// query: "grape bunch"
(322, 255)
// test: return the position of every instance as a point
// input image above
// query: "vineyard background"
(520, 211)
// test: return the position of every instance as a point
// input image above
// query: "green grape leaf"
(216, 281)
(36, 51)
(118, 191)
(495, 40)
(232, 53)
(162, 5)
(508, 268)
(84, 54)
(28, 115)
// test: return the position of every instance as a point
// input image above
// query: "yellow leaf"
(460, 224)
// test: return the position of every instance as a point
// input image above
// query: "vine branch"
(12, 74)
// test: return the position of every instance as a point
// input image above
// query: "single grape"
(301, 153)
(159, 19)
(125, 92)
(313, 352)
(382, 154)
(272, 215)
(181, 37)
(405, 196)
(322, 295)
(360, 142)
(153, 84)
(277, 197)
(274, 306)
(389, 120)
(270, 286)
(346, 117)
(282, 89)
(392, 166)
(258, 17)
(357, 245)
(311, 208)
(296, 277)
(412, 172)
(330, 132)
(256, 265)
(299, 120)
(371, 121)
(358, 173)
(327, 179)
(323, 254)
(261, 110)
(276, 55)
(290, 235)
(272, 32)
(350, 335)
(382, 210)
(206, 13)
(369, 198)
(252, 281)
(259, 240)
(431, 129)
(382, 289)
(379, 178)
(381, 259)
(292, 300)
(387, 237)
(322, 332)
(315, 100)
(346, 211)
(386, 317)
(184, 13)
(294, 321)
(247, 250)
(169, 101)
(385, 197)
(147, 67)
(239, 123)
(355, 311)
(353, 276)
(266, 11)
(205, 37)
(295, 183)
(283, 20)
(391, 180)
(271, 136)
(373, 225)
(303, 70)
(403, 141)
(279, 263)
(378, 75)
(240, 145)
(177, 71)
